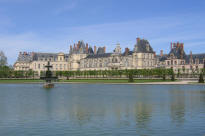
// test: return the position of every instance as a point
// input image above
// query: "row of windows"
(175, 62)
(148, 63)
(172, 62)
(52, 59)
(55, 66)
(111, 60)
(148, 56)
(101, 64)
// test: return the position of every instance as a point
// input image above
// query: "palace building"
(142, 56)
(37, 61)
(82, 57)
(180, 61)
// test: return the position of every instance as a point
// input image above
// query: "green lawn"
(20, 80)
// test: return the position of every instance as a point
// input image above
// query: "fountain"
(48, 77)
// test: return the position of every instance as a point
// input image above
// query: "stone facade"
(180, 61)
(141, 57)
(83, 57)
(37, 61)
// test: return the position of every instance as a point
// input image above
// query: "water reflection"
(94, 109)
(177, 106)
(143, 114)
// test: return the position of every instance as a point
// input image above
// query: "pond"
(100, 109)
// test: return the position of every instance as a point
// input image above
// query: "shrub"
(164, 77)
(130, 78)
(173, 77)
(201, 78)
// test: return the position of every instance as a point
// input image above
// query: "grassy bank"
(84, 81)
(112, 81)
(20, 81)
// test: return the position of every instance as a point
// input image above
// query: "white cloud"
(13, 44)
(159, 31)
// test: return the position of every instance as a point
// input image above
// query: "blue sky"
(52, 25)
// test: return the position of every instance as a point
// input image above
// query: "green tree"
(201, 78)
(3, 59)
(171, 72)
(131, 77)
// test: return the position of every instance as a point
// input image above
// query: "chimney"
(126, 51)
(191, 58)
(71, 48)
(138, 40)
(161, 53)
(104, 49)
(78, 45)
(32, 54)
(177, 44)
(171, 45)
(74, 47)
(154, 54)
(182, 45)
(86, 47)
(95, 50)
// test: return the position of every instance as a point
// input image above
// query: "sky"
(53, 25)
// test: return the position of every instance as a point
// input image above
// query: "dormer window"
(197, 61)
(172, 56)
(147, 47)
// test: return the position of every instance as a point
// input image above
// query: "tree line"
(9, 72)
(136, 73)
(115, 73)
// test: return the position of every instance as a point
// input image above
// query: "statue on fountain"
(48, 77)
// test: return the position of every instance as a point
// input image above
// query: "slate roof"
(45, 55)
(201, 58)
(28, 57)
(129, 53)
(24, 57)
(141, 47)
(178, 52)
(163, 58)
(80, 48)
(100, 50)
(104, 55)
(90, 50)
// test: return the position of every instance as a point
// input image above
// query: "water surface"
(99, 109)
